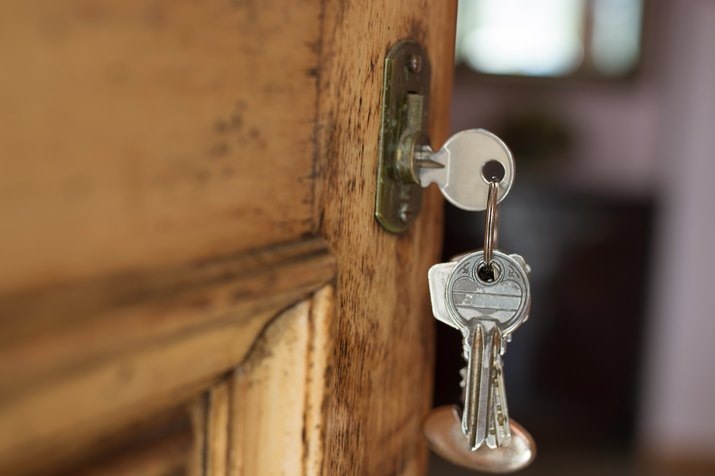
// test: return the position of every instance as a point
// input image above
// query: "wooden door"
(192, 280)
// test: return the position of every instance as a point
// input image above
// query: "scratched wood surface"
(144, 133)
(177, 179)
(281, 389)
(383, 331)
(125, 357)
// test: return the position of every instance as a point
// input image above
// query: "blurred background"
(609, 109)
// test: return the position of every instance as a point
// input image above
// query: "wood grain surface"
(41, 329)
(176, 174)
(115, 365)
(383, 348)
(144, 133)
(167, 456)
(282, 389)
(217, 439)
(267, 416)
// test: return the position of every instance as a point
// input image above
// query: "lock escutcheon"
(407, 162)
(403, 134)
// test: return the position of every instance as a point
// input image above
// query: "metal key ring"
(490, 223)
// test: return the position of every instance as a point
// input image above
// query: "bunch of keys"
(486, 296)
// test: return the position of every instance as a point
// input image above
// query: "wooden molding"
(268, 416)
(117, 360)
(48, 331)
(281, 390)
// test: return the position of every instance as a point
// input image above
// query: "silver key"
(457, 168)
(499, 432)
(438, 277)
(486, 313)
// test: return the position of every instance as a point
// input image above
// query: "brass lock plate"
(405, 103)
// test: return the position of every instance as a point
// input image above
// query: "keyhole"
(493, 171)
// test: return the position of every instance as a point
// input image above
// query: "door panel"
(280, 392)
(383, 351)
(142, 344)
(146, 133)
(192, 278)
(157, 447)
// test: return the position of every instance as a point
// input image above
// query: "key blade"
(500, 410)
(438, 173)
(494, 349)
(499, 413)
(498, 419)
(476, 409)
(470, 416)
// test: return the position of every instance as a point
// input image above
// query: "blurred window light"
(549, 37)
(615, 46)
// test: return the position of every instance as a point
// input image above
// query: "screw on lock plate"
(406, 160)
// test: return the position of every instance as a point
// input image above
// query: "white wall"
(615, 125)
(655, 136)
(678, 416)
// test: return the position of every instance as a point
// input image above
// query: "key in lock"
(458, 168)
(407, 162)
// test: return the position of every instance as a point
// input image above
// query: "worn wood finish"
(41, 329)
(167, 168)
(267, 417)
(168, 456)
(383, 340)
(59, 418)
(281, 390)
(169, 444)
(137, 134)
(88, 393)
(160, 444)
(216, 439)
